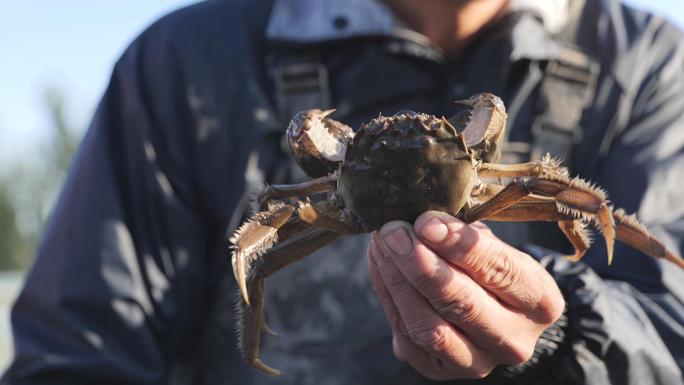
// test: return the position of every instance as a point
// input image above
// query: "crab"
(395, 168)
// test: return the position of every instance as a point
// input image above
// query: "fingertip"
(437, 227)
(397, 237)
(435, 230)
(390, 227)
(427, 216)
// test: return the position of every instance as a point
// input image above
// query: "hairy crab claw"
(318, 143)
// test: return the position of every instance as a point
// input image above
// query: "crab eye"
(405, 112)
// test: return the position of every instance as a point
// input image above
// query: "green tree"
(11, 242)
(29, 187)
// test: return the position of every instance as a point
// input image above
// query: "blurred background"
(55, 60)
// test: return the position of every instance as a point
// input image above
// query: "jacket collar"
(313, 21)
(318, 21)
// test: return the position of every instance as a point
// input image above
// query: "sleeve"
(123, 274)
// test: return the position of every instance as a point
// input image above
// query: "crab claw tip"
(327, 112)
(267, 329)
(257, 363)
(467, 102)
(607, 222)
(240, 276)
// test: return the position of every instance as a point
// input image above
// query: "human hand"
(459, 300)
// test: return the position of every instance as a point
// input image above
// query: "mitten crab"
(396, 168)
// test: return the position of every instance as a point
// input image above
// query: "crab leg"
(571, 196)
(548, 166)
(539, 208)
(266, 228)
(281, 191)
(627, 228)
(255, 257)
(635, 234)
(576, 232)
(322, 216)
(251, 314)
(530, 209)
(254, 237)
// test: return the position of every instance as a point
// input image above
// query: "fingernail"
(398, 240)
(434, 230)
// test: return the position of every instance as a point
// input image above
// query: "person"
(131, 284)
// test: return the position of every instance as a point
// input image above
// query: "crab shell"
(398, 167)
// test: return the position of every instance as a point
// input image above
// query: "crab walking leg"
(576, 232)
(538, 208)
(572, 196)
(548, 166)
(635, 234)
(327, 217)
(251, 314)
(250, 323)
(255, 237)
(531, 209)
(627, 228)
(281, 191)
(295, 249)
(268, 227)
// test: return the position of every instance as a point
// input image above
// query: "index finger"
(513, 276)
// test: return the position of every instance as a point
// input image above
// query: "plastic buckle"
(300, 86)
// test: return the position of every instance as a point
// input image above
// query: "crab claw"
(254, 238)
(318, 142)
(483, 100)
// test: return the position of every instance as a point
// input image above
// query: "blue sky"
(72, 44)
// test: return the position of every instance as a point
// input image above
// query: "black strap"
(565, 91)
(301, 83)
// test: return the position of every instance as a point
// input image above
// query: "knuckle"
(518, 352)
(549, 314)
(458, 311)
(498, 272)
(502, 274)
(429, 336)
(396, 282)
(550, 307)
(550, 303)
(397, 324)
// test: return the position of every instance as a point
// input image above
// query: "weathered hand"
(459, 300)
